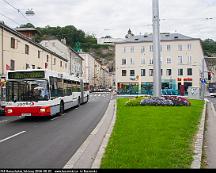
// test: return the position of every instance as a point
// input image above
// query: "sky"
(115, 17)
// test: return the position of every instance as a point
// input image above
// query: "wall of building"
(21, 59)
(138, 58)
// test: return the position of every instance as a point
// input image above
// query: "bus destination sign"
(26, 75)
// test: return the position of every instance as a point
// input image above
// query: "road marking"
(3, 121)
(54, 118)
(12, 136)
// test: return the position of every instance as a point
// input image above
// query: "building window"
(47, 58)
(151, 72)
(33, 66)
(161, 72)
(65, 65)
(125, 49)
(123, 61)
(26, 49)
(132, 49)
(189, 71)
(54, 63)
(12, 64)
(60, 63)
(132, 61)
(39, 53)
(180, 72)
(142, 49)
(168, 47)
(142, 60)
(180, 60)
(142, 72)
(124, 72)
(27, 66)
(13, 42)
(151, 48)
(189, 59)
(132, 72)
(189, 46)
(180, 47)
(151, 61)
(161, 48)
(168, 72)
(169, 60)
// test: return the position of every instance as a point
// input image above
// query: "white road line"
(12, 136)
(3, 121)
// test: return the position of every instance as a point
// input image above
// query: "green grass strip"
(153, 137)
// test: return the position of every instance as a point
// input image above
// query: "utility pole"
(203, 79)
(156, 49)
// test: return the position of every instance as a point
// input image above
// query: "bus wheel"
(61, 108)
(78, 102)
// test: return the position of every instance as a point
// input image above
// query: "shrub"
(135, 101)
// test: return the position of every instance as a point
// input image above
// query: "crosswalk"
(95, 97)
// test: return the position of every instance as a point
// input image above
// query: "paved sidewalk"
(211, 137)
(86, 154)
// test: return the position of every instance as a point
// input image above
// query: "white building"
(181, 63)
(94, 72)
(107, 40)
(60, 48)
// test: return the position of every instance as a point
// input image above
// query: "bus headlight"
(9, 111)
(42, 110)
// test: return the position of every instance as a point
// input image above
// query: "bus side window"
(60, 87)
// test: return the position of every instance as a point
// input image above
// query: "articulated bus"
(43, 93)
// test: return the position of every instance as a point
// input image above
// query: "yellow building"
(18, 52)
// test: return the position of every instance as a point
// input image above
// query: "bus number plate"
(26, 114)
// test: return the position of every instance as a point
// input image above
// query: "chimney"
(64, 41)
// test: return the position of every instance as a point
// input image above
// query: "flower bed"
(165, 101)
(158, 101)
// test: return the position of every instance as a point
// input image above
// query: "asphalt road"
(210, 135)
(49, 143)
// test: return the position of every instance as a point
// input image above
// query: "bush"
(135, 101)
(165, 101)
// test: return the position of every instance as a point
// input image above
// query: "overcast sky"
(115, 17)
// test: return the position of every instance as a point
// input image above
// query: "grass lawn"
(153, 137)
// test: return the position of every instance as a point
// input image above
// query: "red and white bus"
(43, 93)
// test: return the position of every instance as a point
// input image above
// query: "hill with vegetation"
(209, 47)
(76, 39)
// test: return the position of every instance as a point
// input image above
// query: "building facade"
(182, 60)
(94, 72)
(18, 52)
(60, 48)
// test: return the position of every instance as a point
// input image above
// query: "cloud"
(95, 16)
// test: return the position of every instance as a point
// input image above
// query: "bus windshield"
(27, 90)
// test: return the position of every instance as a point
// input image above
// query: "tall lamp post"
(156, 49)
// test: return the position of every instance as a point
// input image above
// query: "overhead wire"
(18, 10)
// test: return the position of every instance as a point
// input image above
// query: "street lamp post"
(156, 49)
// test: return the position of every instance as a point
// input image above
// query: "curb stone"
(97, 161)
(197, 157)
(86, 153)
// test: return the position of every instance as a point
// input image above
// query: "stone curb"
(97, 161)
(197, 157)
(86, 153)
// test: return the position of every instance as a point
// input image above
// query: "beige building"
(94, 72)
(19, 52)
(181, 63)
(60, 48)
